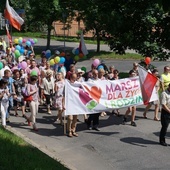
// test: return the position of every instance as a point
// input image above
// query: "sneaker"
(124, 120)
(133, 124)
(96, 128)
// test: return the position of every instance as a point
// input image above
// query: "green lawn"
(58, 38)
(16, 154)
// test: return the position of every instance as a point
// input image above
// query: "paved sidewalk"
(115, 146)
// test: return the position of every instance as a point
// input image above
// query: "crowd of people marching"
(24, 81)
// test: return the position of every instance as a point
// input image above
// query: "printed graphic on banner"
(90, 98)
(102, 95)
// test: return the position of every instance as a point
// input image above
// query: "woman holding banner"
(93, 117)
(131, 109)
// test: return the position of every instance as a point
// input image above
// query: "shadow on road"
(138, 141)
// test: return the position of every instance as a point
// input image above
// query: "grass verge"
(17, 154)
(57, 38)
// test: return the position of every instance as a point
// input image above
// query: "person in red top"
(72, 70)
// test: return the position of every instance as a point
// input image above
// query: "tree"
(45, 12)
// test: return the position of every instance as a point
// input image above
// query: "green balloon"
(76, 58)
(17, 53)
(84, 69)
(1, 65)
(35, 40)
(33, 73)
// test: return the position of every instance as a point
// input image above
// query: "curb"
(42, 149)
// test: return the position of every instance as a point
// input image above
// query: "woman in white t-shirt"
(4, 101)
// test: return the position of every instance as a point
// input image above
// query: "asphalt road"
(114, 147)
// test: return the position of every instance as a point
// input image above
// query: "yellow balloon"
(16, 41)
(57, 60)
(52, 62)
(20, 38)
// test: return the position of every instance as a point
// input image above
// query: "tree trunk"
(48, 36)
(98, 41)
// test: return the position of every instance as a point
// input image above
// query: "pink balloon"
(24, 41)
(96, 62)
(23, 65)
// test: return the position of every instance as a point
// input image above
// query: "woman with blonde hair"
(59, 93)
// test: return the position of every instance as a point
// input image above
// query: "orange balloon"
(62, 54)
(147, 60)
(81, 55)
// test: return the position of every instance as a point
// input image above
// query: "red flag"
(147, 82)
(15, 20)
(82, 46)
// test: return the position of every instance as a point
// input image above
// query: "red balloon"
(147, 60)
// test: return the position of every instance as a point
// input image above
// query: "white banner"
(101, 95)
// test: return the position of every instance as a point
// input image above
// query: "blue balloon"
(22, 50)
(48, 55)
(77, 51)
(100, 67)
(28, 43)
(18, 47)
(20, 41)
(62, 60)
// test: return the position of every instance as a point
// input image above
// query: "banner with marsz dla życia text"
(101, 95)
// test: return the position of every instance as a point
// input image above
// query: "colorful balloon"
(24, 65)
(62, 54)
(52, 62)
(77, 51)
(147, 60)
(35, 40)
(57, 60)
(24, 41)
(20, 41)
(16, 41)
(28, 43)
(96, 62)
(76, 58)
(81, 55)
(84, 69)
(57, 52)
(62, 60)
(18, 47)
(17, 53)
(1, 65)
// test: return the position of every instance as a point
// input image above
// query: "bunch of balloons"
(78, 54)
(58, 59)
(28, 42)
(19, 49)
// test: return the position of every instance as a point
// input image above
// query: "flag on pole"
(15, 20)
(147, 82)
(82, 46)
(8, 34)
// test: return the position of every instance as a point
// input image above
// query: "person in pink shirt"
(33, 68)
